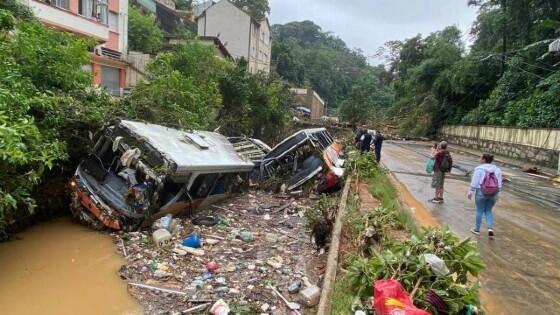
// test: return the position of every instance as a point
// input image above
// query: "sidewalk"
(498, 158)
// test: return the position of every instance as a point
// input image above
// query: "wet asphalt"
(523, 260)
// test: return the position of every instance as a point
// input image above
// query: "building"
(105, 21)
(242, 35)
(309, 99)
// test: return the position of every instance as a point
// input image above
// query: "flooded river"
(62, 268)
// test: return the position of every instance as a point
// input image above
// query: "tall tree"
(256, 8)
(143, 33)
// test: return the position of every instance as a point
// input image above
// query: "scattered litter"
(205, 220)
(161, 237)
(275, 262)
(212, 266)
(246, 236)
(291, 305)
(192, 241)
(436, 264)
(220, 308)
(311, 294)
(226, 266)
(294, 287)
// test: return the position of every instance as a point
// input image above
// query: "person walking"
(377, 143)
(442, 164)
(486, 184)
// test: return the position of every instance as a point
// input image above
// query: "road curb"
(332, 260)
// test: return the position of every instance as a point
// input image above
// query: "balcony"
(64, 19)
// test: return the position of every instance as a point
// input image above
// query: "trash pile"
(251, 255)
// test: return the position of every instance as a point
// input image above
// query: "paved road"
(524, 258)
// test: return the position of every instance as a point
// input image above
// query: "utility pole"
(504, 35)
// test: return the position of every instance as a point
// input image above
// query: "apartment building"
(241, 34)
(105, 21)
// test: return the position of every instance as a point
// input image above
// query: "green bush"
(46, 109)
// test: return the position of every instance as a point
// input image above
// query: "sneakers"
(436, 200)
(477, 232)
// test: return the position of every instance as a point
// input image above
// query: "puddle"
(62, 268)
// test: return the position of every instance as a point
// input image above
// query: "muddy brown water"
(62, 268)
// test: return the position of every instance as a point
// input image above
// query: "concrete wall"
(539, 146)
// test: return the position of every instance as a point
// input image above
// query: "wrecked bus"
(301, 157)
(139, 171)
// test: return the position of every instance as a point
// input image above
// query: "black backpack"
(446, 163)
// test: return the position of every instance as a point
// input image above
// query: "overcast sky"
(368, 24)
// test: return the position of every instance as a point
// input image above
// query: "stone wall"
(538, 146)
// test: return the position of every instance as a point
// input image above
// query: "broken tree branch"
(149, 287)
(291, 306)
(123, 247)
(197, 308)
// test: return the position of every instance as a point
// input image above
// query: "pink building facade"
(105, 21)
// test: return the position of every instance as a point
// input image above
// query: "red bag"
(390, 298)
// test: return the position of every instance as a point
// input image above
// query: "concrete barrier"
(539, 146)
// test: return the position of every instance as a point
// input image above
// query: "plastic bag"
(437, 264)
(390, 298)
(430, 166)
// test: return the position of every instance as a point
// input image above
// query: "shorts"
(438, 179)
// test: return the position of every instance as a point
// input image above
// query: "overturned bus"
(139, 171)
(301, 157)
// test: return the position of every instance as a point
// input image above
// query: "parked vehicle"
(138, 172)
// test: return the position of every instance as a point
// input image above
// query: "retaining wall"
(538, 146)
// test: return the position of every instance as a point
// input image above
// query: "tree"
(45, 105)
(256, 8)
(143, 33)
(368, 99)
(306, 56)
(184, 4)
(182, 90)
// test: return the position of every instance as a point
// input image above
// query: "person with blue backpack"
(486, 184)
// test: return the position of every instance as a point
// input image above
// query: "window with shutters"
(110, 79)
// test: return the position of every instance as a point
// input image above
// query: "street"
(523, 260)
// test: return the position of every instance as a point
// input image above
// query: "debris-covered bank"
(249, 243)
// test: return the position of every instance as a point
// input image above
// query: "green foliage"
(143, 33)
(368, 99)
(306, 56)
(256, 8)
(436, 82)
(46, 107)
(192, 88)
(182, 90)
(17, 9)
(404, 261)
(183, 4)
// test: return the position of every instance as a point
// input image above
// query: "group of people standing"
(486, 184)
(364, 140)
